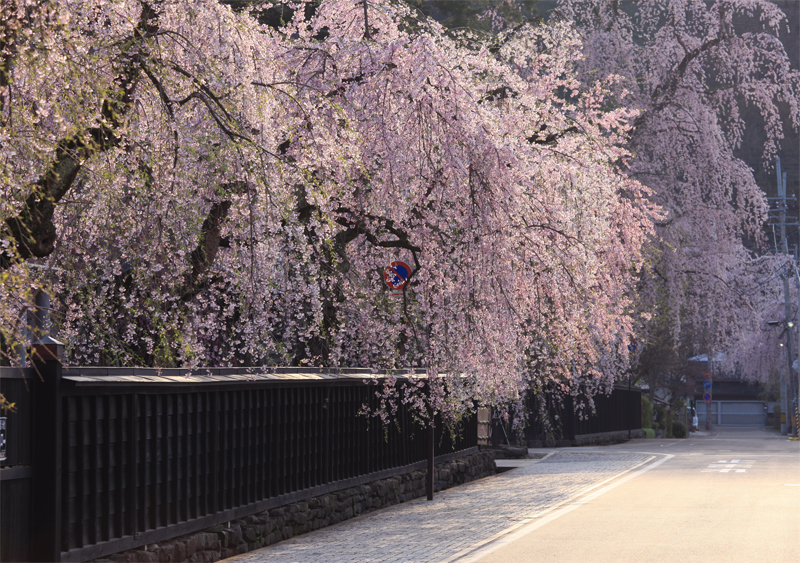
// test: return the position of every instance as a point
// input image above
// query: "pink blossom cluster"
(690, 67)
(226, 192)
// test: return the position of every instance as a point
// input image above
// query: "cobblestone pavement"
(422, 531)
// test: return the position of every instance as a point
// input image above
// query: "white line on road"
(535, 521)
(724, 466)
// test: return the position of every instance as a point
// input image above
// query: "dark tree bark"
(32, 232)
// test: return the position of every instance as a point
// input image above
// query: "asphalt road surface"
(725, 496)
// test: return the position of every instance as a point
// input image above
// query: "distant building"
(734, 400)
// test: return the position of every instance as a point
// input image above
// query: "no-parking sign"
(396, 275)
(707, 397)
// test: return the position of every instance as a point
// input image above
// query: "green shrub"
(656, 427)
(661, 416)
(649, 433)
(678, 429)
(647, 412)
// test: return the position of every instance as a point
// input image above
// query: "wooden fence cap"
(47, 348)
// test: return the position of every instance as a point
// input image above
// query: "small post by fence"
(47, 354)
(429, 478)
(632, 350)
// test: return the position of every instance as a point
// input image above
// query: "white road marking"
(725, 466)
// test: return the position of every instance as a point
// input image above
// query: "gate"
(734, 413)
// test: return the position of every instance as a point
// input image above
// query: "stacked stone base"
(271, 526)
(606, 438)
(599, 439)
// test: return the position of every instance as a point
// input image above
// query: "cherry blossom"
(196, 188)
(689, 67)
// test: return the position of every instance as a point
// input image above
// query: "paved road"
(729, 493)
(730, 496)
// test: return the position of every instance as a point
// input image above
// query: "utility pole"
(788, 396)
(795, 371)
(796, 363)
(787, 306)
(793, 402)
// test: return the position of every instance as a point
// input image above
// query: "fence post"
(46, 515)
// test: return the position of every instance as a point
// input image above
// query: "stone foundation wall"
(599, 439)
(271, 526)
(604, 438)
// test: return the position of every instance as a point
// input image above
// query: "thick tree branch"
(358, 79)
(667, 89)
(664, 92)
(202, 257)
(550, 138)
(500, 93)
(359, 227)
(366, 20)
(32, 232)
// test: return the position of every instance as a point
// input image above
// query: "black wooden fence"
(552, 417)
(100, 461)
(15, 469)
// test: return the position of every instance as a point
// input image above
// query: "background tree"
(689, 67)
(491, 16)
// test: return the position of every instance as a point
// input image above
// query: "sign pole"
(708, 394)
(631, 349)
